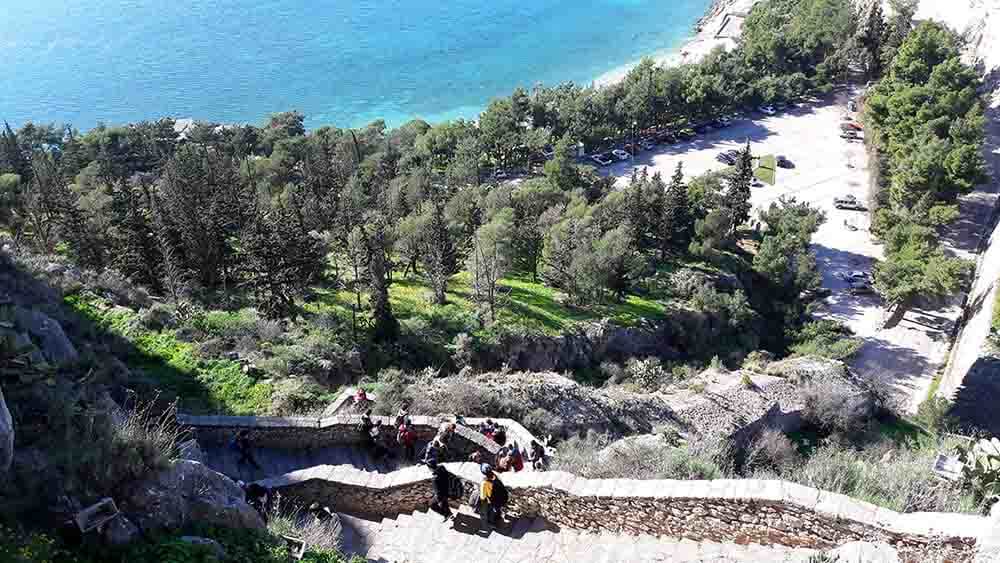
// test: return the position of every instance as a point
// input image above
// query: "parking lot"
(825, 166)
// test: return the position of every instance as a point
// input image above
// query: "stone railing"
(304, 433)
(741, 511)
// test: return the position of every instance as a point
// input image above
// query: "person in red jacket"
(407, 438)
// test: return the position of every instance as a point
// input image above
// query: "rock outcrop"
(184, 493)
(6, 437)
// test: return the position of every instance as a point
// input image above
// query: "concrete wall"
(741, 511)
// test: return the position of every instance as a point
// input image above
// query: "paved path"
(274, 461)
(423, 537)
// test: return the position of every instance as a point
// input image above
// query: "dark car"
(702, 128)
(783, 162)
(860, 287)
(725, 158)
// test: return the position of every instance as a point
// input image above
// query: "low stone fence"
(740, 511)
(303, 433)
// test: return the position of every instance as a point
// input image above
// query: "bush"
(834, 407)
(647, 373)
(701, 459)
(898, 479)
(541, 422)
(826, 339)
(772, 450)
(933, 414)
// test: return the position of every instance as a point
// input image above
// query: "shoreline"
(692, 49)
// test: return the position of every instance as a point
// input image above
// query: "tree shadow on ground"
(976, 404)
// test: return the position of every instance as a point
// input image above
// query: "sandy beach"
(715, 31)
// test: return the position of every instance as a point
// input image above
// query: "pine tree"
(279, 260)
(872, 33)
(440, 261)
(377, 242)
(12, 156)
(737, 199)
(678, 219)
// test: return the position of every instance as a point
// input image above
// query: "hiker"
(361, 400)
(432, 455)
(241, 442)
(500, 435)
(379, 451)
(320, 513)
(259, 497)
(537, 456)
(503, 460)
(407, 438)
(487, 428)
(401, 417)
(365, 429)
(445, 431)
(442, 488)
(516, 461)
(493, 496)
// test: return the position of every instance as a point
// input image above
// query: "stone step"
(425, 537)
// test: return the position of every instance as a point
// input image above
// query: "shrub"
(903, 483)
(757, 361)
(157, 317)
(772, 450)
(933, 414)
(647, 373)
(834, 407)
(541, 422)
(613, 373)
(701, 459)
(826, 339)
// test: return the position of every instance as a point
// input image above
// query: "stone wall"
(741, 511)
(303, 433)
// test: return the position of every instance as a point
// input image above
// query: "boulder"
(6, 437)
(47, 335)
(184, 493)
(120, 531)
(215, 547)
(806, 368)
(190, 450)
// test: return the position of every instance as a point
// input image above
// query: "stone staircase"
(424, 537)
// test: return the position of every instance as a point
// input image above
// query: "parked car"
(782, 162)
(686, 134)
(848, 202)
(850, 135)
(723, 121)
(726, 158)
(851, 126)
(856, 276)
(631, 148)
(499, 174)
(648, 144)
(778, 106)
(860, 288)
(767, 110)
(621, 155)
(548, 151)
(666, 137)
(601, 159)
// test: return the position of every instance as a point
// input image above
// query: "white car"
(857, 276)
(621, 155)
(601, 160)
(767, 110)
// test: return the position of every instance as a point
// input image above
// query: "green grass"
(532, 305)
(200, 385)
(766, 169)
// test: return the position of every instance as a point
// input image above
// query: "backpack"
(474, 498)
(500, 494)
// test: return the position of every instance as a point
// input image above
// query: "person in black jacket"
(442, 486)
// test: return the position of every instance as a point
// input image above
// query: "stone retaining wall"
(303, 433)
(741, 511)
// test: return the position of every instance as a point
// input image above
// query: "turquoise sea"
(340, 62)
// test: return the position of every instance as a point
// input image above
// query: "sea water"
(340, 62)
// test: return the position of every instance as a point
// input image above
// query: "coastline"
(692, 50)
